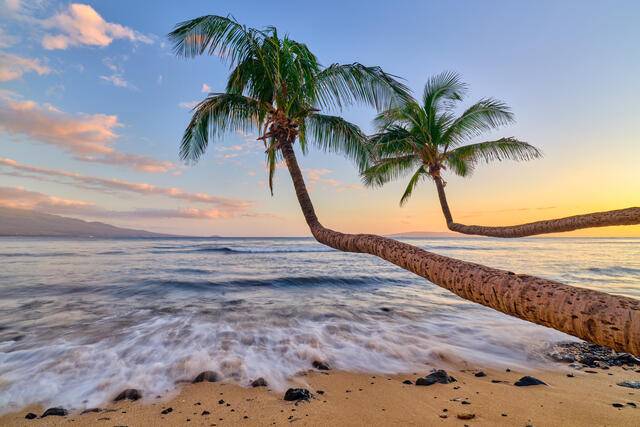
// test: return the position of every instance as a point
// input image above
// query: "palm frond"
(388, 169)
(421, 172)
(485, 115)
(442, 90)
(501, 149)
(217, 114)
(336, 135)
(346, 84)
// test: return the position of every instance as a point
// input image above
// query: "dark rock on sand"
(88, 411)
(438, 376)
(480, 374)
(320, 391)
(166, 411)
(466, 416)
(205, 413)
(260, 382)
(632, 404)
(617, 405)
(220, 402)
(206, 376)
(527, 381)
(591, 355)
(323, 366)
(130, 393)
(570, 375)
(407, 382)
(630, 384)
(30, 416)
(496, 381)
(297, 394)
(60, 412)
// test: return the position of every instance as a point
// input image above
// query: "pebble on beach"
(630, 384)
(480, 374)
(259, 382)
(528, 381)
(206, 376)
(297, 394)
(60, 412)
(130, 393)
(466, 416)
(166, 411)
(438, 376)
(323, 366)
(30, 416)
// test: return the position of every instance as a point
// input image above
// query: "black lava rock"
(220, 402)
(527, 381)
(480, 374)
(407, 382)
(208, 376)
(88, 411)
(591, 355)
(297, 394)
(60, 412)
(323, 366)
(130, 393)
(260, 382)
(630, 384)
(206, 412)
(30, 416)
(166, 411)
(617, 405)
(438, 376)
(496, 381)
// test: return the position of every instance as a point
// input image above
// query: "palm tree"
(426, 139)
(277, 87)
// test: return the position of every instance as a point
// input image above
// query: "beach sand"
(358, 399)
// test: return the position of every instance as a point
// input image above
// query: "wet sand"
(357, 399)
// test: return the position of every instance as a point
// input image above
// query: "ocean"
(83, 319)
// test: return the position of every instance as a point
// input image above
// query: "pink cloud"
(80, 24)
(14, 66)
(315, 175)
(119, 186)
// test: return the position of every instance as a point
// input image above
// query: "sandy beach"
(357, 399)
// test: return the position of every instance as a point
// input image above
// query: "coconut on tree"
(277, 88)
(423, 139)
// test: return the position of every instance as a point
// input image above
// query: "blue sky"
(93, 89)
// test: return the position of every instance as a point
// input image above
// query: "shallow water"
(82, 319)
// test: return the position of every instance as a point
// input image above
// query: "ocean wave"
(243, 250)
(38, 255)
(615, 270)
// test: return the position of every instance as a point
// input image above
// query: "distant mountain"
(20, 222)
(424, 234)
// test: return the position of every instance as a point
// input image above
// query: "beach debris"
(166, 411)
(630, 384)
(591, 355)
(88, 411)
(407, 382)
(205, 413)
(617, 405)
(259, 382)
(527, 381)
(30, 416)
(440, 376)
(58, 411)
(206, 376)
(466, 416)
(480, 374)
(130, 393)
(297, 394)
(323, 366)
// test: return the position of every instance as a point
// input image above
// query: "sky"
(93, 105)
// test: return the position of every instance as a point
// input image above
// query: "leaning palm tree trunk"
(608, 320)
(628, 216)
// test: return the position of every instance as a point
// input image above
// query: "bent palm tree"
(277, 87)
(425, 139)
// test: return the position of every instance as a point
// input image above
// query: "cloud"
(14, 66)
(188, 105)
(7, 40)
(90, 137)
(116, 186)
(116, 77)
(205, 88)
(20, 198)
(315, 175)
(80, 25)
(349, 187)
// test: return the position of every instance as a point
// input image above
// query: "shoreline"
(574, 395)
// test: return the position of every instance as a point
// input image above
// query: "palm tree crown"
(424, 139)
(277, 87)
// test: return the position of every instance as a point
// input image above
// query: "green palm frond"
(336, 135)
(485, 115)
(421, 172)
(442, 91)
(217, 114)
(501, 149)
(347, 84)
(388, 169)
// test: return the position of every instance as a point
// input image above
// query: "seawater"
(82, 319)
